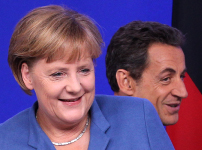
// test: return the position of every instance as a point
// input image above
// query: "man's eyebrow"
(172, 70)
(184, 71)
(168, 70)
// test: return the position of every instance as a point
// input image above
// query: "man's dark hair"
(129, 45)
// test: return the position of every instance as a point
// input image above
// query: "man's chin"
(170, 121)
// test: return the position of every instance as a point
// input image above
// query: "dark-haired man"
(145, 59)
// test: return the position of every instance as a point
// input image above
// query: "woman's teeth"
(69, 100)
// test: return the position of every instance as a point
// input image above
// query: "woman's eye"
(85, 71)
(57, 74)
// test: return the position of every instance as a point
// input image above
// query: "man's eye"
(166, 80)
(182, 77)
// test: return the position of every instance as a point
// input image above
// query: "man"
(145, 59)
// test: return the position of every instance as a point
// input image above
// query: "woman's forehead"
(73, 51)
(70, 55)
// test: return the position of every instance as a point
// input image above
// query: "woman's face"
(65, 91)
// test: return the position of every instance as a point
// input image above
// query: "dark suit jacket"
(117, 123)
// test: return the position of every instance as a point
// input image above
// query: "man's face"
(162, 81)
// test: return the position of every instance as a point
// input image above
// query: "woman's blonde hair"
(52, 32)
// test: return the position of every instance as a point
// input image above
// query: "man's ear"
(125, 83)
(26, 76)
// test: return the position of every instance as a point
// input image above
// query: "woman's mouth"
(71, 99)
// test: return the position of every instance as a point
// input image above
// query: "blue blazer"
(117, 123)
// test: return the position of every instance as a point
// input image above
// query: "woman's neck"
(59, 131)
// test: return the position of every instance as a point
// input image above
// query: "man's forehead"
(165, 58)
(159, 52)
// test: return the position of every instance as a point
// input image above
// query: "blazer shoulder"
(136, 116)
(123, 101)
(15, 123)
(125, 105)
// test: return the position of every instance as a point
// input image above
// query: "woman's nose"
(73, 85)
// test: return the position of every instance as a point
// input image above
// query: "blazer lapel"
(98, 137)
(37, 138)
(99, 126)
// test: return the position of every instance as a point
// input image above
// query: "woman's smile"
(71, 99)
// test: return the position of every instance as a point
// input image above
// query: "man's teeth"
(173, 105)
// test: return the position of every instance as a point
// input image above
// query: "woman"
(52, 52)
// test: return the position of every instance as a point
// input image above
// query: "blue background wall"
(110, 15)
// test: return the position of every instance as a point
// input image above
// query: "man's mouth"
(173, 105)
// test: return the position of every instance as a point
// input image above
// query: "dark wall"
(187, 16)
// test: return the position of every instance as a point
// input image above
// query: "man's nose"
(179, 89)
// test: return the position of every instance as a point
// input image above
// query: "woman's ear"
(26, 76)
(125, 83)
